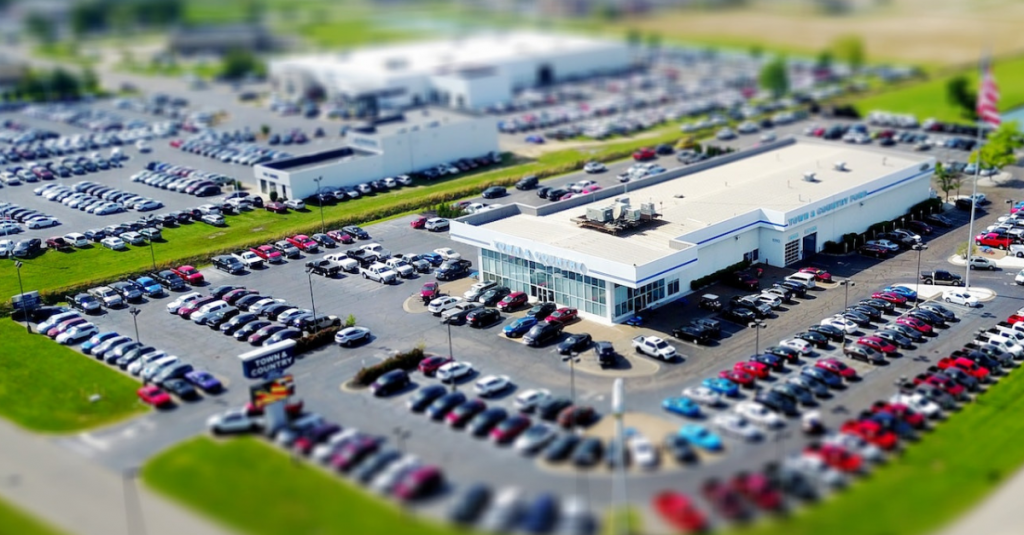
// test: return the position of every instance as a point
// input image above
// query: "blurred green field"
(15, 521)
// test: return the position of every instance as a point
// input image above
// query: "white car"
(816, 468)
(142, 146)
(885, 244)
(325, 450)
(259, 306)
(9, 227)
(207, 311)
(642, 452)
(181, 301)
(594, 167)
(492, 384)
(578, 187)
(919, 403)
(295, 204)
(960, 297)
(350, 335)
(250, 259)
(454, 371)
(113, 243)
(477, 289)
(840, 323)
(150, 370)
(42, 222)
(77, 333)
(440, 304)
(6, 248)
(76, 239)
(233, 421)
(703, 395)
(771, 300)
(528, 400)
(758, 414)
(133, 238)
(535, 438)
(447, 253)
(436, 224)
(736, 426)
(855, 444)
(802, 346)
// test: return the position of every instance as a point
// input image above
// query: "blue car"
(204, 380)
(96, 340)
(681, 405)
(434, 258)
(722, 386)
(699, 436)
(911, 295)
(150, 286)
(520, 326)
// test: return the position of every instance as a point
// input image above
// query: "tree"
(265, 129)
(998, 150)
(90, 83)
(40, 27)
(960, 94)
(824, 60)
(775, 77)
(239, 62)
(948, 179)
(63, 84)
(850, 49)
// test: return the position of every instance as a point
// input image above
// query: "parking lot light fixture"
(134, 311)
(152, 254)
(21, 290)
(920, 247)
(319, 201)
(846, 284)
(312, 301)
(401, 434)
(757, 325)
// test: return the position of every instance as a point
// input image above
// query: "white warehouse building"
(774, 204)
(414, 141)
(470, 73)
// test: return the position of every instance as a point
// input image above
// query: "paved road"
(82, 497)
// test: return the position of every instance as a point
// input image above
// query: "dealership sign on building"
(543, 259)
(259, 363)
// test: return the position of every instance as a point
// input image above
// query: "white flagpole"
(970, 226)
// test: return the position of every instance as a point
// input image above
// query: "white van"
(806, 278)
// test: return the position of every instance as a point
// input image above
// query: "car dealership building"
(640, 244)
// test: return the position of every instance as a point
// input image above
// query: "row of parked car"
(227, 148)
(98, 199)
(12, 216)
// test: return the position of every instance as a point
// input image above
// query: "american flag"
(988, 97)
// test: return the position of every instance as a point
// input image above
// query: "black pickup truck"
(322, 266)
(169, 280)
(941, 277)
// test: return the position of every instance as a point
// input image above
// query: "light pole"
(451, 354)
(920, 247)
(323, 225)
(21, 290)
(312, 301)
(757, 325)
(152, 254)
(134, 311)
(401, 434)
(846, 299)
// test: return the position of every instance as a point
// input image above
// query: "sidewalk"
(79, 497)
(997, 514)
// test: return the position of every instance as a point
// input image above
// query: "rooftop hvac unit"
(618, 209)
(841, 166)
(601, 215)
(647, 208)
(632, 214)
(810, 177)
(623, 200)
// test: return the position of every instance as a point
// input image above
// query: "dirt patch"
(215, 235)
(258, 229)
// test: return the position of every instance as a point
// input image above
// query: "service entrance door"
(810, 245)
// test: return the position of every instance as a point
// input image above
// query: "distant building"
(218, 39)
(471, 73)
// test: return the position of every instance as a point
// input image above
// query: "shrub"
(402, 361)
(316, 340)
(273, 196)
(832, 247)
(350, 321)
(708, 280)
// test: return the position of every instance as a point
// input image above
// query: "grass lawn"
(46, 387)
(928, 99)
(54, 270)
(933, 482)
(257, 489)
(14, 520)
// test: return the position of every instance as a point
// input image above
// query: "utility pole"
(21, 290)
(919, 247)
(312, 301)
(757, 325)
(323, 225)
(134, 311)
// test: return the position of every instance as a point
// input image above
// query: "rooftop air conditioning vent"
(841, 166)
(810, 177)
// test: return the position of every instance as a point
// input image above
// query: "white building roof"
(772, 181)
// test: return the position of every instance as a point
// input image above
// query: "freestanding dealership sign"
(259, 363)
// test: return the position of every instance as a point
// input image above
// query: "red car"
(819, 274)
(837, 367)
(418, 222)
(268, 253)
(304, 243)
(757, 369)
(430, 291)
(419, 483)
(915, 324)
(891, 297)
(876, 251)
(341, 236)
(276, 207)
(190, 274)
(835, 456)
(877, 344)
(1014, 318)
(968, 366)
(154, 395)
(509, 429)
(563, 315)
(465, 412)
(186, 311)
(512, 301)
(430, 365)
(57, 242)
(948, 385)
(741, 378)
(920, 227)
(176, 142)
(644, 153)
(992, 239)
(64, 326)
(757, 489)
(901, 411)
(871, 432)
(680, 512)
